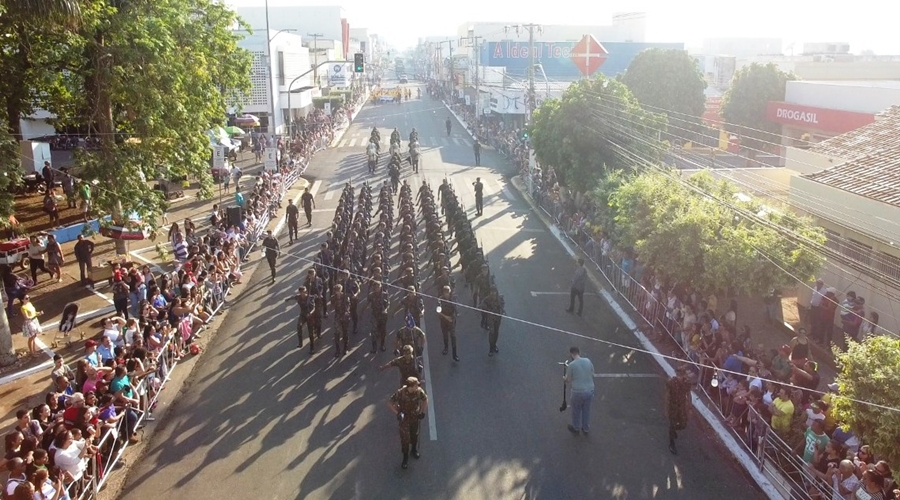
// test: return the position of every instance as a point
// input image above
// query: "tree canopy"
(597, 125)
(148, 78)
(868, 372)
(668, 81)
(706, 238)
(744, 104)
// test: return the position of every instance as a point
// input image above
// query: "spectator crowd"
(752, 387)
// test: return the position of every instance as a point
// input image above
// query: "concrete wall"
(807, 162)
(861, 97)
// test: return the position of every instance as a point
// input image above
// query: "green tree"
(16, 16)
(695, 232)
(868, 373)
(668, 81)
(744, 104)
(154, 76)
(596, 126)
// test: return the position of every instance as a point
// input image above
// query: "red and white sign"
(711, 111)
(826, 120)
(588, 55)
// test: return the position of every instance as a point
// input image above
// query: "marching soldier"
(307, 305)
(351, 289)
(316, 288)
(340, 304)
(412, 335)
(378, 301)
(447, 313)
(406, 362)
(494, 308)
(409, 405)
(678, 390)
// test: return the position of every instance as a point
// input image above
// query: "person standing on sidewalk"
(477, 149)
(678, 391)
(293, 220)
(309, 202)
(580, 377)
(815, 310)
(271, 249)
(577, 287)
(84, 252)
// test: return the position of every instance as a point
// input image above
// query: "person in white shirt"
(70, 455)
(112, 328)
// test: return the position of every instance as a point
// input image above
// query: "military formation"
(358, 257)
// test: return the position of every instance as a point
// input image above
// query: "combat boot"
(415, 452)
(405, 463)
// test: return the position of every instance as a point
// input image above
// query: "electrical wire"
(647, 162)
(602, 97)
(365, 279)
(875, 272)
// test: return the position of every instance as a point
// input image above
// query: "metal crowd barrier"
(773, 456)
(114, 442)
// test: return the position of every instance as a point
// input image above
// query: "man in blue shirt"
(580, 377)
(105, 350)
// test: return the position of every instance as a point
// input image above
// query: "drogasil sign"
(826, 120)
(796, 116)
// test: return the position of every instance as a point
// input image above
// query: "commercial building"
(813, 111)
(329, 21)
(270, 79)
(850, 185)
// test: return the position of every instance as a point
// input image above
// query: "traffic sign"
(271, 159)
(588, 55)
(219, 157)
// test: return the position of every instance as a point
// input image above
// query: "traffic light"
(359, 60)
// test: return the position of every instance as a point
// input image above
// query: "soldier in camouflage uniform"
(406, 363)
(307, 316)
(493, 310)
(340, 304)
(379, 302)
(678, 391)
(409, 405)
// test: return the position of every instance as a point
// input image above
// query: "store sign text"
(797, 116)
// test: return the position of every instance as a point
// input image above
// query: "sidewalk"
(658, 351)
(24, 382)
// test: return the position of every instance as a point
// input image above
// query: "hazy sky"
(865, 24)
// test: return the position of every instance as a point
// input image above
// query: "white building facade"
(271, 79)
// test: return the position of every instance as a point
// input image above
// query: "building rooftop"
(872, 169)
(882, 134)
(882, 84)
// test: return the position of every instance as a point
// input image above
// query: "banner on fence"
(271, 159)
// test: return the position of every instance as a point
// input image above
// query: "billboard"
(339, 74)
(556, 57)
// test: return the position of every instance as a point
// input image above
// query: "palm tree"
(40, 10)
(31, 11)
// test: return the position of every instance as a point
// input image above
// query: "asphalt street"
(260, 418)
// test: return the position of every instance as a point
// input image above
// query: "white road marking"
(626, 375)
(507, 193)
(432, 421)
(315, 188)
(536, 294)
(330, 194)
(98, 294)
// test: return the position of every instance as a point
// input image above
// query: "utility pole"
(531, 27)
(474, 40)
(449, 44)
(315, 37)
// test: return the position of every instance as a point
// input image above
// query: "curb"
(337, 137)
(723, 434)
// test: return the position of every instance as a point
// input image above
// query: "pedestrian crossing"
(424, 142)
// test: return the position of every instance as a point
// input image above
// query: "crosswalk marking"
(330, 194)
